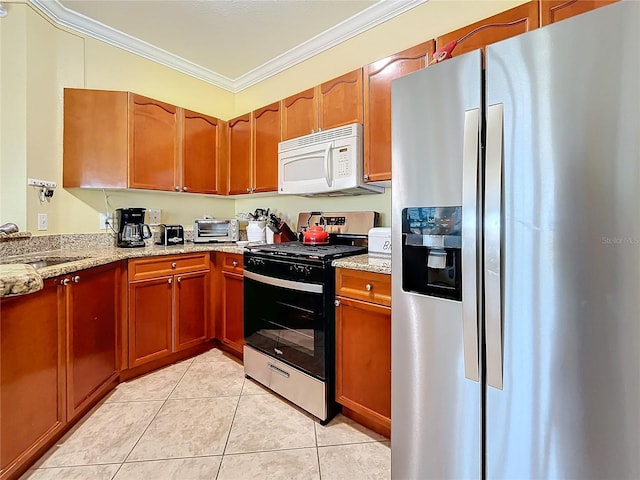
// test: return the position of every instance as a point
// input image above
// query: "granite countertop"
(17, 278)
(366, 263)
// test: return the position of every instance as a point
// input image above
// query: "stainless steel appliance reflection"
(532, 372)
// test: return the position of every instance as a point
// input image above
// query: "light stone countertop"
(17, 278)
(366, 263)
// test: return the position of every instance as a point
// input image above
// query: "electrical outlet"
(153, 216)
(43, 221)
(106, 219)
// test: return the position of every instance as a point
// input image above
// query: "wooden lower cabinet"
(32, 375)
(230, 312)
(363, 351)
(168, 312)
(59, 356)
(93, 301)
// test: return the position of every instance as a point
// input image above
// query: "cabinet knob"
(179, 279)
(185, 189)
(368, 287)
(234, 263)
(174, 265)
(366, 177)
(248, 190)
(76, 279)
(64, 282)
(170, 280)
(337, 303)
(177, 188)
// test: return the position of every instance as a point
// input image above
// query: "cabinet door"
(299, 114)
(200, 146)
(377, 106)
(92, 306)
(340, 100)
(233, 311)
(150, 314)
(239, 145)
(191, 309)
(96, 139)
(552, 11)
(266, 135)
(32, 374)
(504, 25)
(154, 155)
(363, 359)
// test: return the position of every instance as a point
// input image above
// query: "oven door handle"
(289, 284)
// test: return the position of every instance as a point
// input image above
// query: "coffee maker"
(132, 231)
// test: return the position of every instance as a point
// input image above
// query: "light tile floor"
(201, 419)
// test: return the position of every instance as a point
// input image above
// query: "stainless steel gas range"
(289, 314)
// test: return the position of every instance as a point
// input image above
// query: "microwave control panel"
(343, 156)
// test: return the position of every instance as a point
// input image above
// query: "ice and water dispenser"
(432, 251)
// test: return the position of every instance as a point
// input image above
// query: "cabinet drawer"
(367, 286)
(232, 262)
(142, 268)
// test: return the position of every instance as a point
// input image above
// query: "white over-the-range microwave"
(325, 163)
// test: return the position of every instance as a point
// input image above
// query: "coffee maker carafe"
(132, 231)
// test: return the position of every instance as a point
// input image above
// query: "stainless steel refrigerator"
(516, 257)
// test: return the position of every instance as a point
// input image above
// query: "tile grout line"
(151, 421)
(315, 432)
(244, 380)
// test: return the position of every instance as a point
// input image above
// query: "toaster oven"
(210, 230)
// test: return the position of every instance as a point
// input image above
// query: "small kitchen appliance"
(132, 231)
(289, 312)
(216, 230)
(171, 235)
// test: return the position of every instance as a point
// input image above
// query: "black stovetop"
(300, 250)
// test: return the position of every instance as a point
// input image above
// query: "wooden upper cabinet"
(377, 106)
(266, 135)
(504, 25)
(200, 152)
(154, 159)
(340, 101)
(239, 154)
(299, 114)
(552, 11)
(96, 139)
(332, 104)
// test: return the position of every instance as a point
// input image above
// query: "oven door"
(286, 320)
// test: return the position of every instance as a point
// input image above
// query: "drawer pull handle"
(174, 265)
(368, 287)
(234, 263)
(279, 370)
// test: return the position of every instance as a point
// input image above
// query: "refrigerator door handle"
(492, 246)
(470, 157)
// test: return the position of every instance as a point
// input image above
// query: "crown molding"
(359, 23)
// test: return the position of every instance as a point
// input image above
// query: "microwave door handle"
(327, 165)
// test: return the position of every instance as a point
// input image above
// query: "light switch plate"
(43, 221)
(154, 216)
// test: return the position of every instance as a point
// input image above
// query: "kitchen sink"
(43, 262)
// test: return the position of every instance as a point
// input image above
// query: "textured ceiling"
(228, 37)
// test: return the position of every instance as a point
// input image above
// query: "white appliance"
(516, 253)
(327, 163)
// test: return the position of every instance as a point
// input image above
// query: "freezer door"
(565, 395)
(435, 394)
